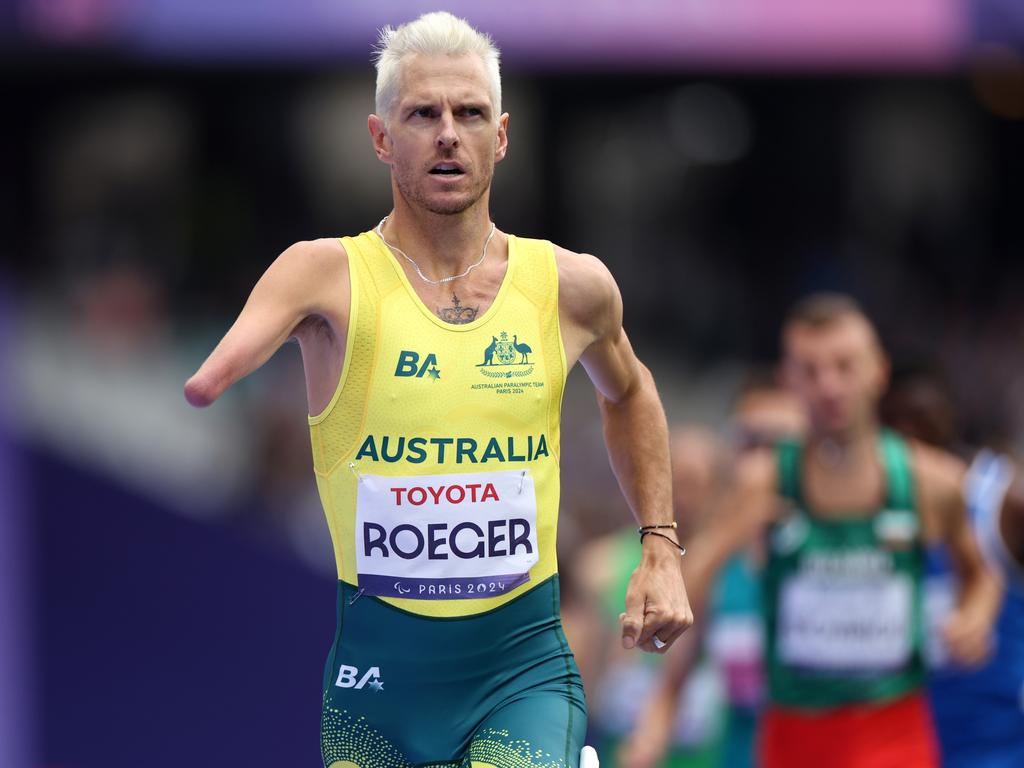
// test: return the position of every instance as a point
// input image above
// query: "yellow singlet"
(437, 458)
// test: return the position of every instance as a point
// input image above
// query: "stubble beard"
(447, 206)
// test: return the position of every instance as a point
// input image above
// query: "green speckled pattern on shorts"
(499, 688)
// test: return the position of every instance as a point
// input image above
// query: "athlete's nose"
(446, 135)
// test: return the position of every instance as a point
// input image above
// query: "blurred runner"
(764, 415)
(979, 713)
(846, 515)
(620, 683)
(732, 631)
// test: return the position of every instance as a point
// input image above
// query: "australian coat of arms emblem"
(506, 359)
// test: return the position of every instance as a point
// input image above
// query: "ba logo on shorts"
(409, 365)
(348, 677)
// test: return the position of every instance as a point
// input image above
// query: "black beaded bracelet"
(682, 549)
(644, 528)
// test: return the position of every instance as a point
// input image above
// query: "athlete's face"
(764, 416)
(441, 137)
(838, 371)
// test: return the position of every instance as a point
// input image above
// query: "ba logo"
(409, 365)
(348, 677)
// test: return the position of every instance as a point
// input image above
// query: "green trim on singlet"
(803, 532)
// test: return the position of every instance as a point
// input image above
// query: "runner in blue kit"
(979, 713)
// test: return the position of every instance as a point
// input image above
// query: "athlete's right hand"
(656, 601)
(968, 637)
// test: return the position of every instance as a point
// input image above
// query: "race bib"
(736, 643)
(834, 625)
(445, 537)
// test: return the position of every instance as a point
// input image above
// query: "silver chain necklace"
(416, 266)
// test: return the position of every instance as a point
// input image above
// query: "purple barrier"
(166, 642)
(745, 33)
(17, 728)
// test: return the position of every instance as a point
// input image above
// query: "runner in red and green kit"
(845, 516)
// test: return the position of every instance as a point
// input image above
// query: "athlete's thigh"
(543, 729)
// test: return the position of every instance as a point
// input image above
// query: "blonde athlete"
(435, 350)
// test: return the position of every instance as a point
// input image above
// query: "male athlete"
(846, 515)
(435, 350)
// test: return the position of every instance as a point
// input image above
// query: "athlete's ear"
(501, 143)
(379, 136)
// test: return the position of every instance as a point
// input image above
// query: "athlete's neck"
(441, 244)
(844, 451)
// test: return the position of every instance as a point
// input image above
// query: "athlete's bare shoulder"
(311, 280)
(939, 473)
(589, 303)
(317, 264)
(585, 286)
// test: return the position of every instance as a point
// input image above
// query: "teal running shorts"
(500, 688)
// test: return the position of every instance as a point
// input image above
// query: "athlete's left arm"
(967, 632)
(636, 435)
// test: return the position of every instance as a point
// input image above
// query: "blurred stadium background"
(165, 576)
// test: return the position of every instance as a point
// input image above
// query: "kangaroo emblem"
(489, 352)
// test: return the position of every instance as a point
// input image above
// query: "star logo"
(434, 372)
(377, 685)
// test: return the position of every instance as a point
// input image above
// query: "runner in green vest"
(845, 516)
(618, 682)
(732, 627)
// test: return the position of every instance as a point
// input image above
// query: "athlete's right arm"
(308, 280)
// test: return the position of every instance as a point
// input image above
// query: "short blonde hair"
(437, 33)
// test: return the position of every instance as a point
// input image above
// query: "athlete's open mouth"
(447, 169)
